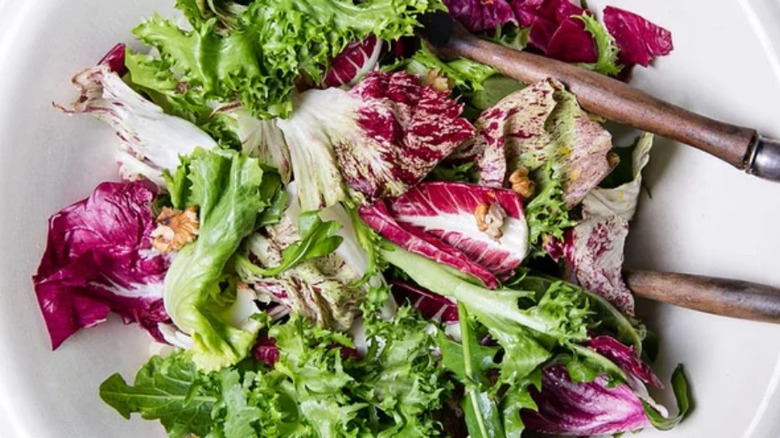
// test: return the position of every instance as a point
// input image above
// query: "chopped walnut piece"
(490, 218)
(175, 229)
(522, 183)
(437, 80)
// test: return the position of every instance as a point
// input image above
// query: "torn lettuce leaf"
(225, 186)
(150, 141)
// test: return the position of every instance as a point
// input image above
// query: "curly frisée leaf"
(267, 45)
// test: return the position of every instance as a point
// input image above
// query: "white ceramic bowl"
(704, 217)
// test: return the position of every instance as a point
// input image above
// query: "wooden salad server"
(612, 99)
(719, 296)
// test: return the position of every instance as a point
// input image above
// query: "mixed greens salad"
(339, 234)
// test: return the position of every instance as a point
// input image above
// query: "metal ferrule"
(764, 158)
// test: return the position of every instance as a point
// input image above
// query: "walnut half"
(490, 218)
(175, 229)
(522, 183)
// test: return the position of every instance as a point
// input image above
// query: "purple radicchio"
(583, 409)
(594, 408)
(539, 124)
(478, 230)
(595, 246)
(354, 62)
(115, 59)
(544, 18)
(479, 15)
(377, 140)
(151, 141)
(639, 40)
(99, 259)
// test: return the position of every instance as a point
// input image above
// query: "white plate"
(703, 217)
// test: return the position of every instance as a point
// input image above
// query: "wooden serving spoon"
(741, 147)
(719, 296)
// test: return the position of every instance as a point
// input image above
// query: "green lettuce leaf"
(225, 186)
(318, 239)
(255, 54)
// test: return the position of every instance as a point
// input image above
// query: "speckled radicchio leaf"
(99, 259)
(542, 123)
(355, 61)
(437, 220)
(479, 15)
(407, 129)
(639, 40)
(595, 246)
(151, 141)
(377, 140)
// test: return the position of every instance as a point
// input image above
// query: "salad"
(333, 232)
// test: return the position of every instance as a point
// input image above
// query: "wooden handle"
(609, 98)
(737, 299)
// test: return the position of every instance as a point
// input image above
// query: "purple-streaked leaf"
(99, 259)
(417, 241)
(543, 17)
(151, 141)
(479, 15)
(572, 43)
(379, 139)
(542, 123)
(354, 62)
(639, 40)
(431, 306)
(446, 211)
(115, 59)
(624, 357)
(583, 409)
(266, 351)
(405, 129)
(595, 246)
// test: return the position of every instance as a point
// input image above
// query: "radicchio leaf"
(539, 124)
(446, 211)
(99, 259)
(479, 15)
(626, 358)
(595, 246)
(544, 17)
(151, 141)
(115, 59)
(431, 306)
(640, 41)
(583, 409)
(413, 239)
(407, 129)
(379, 139)
(354, 62)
